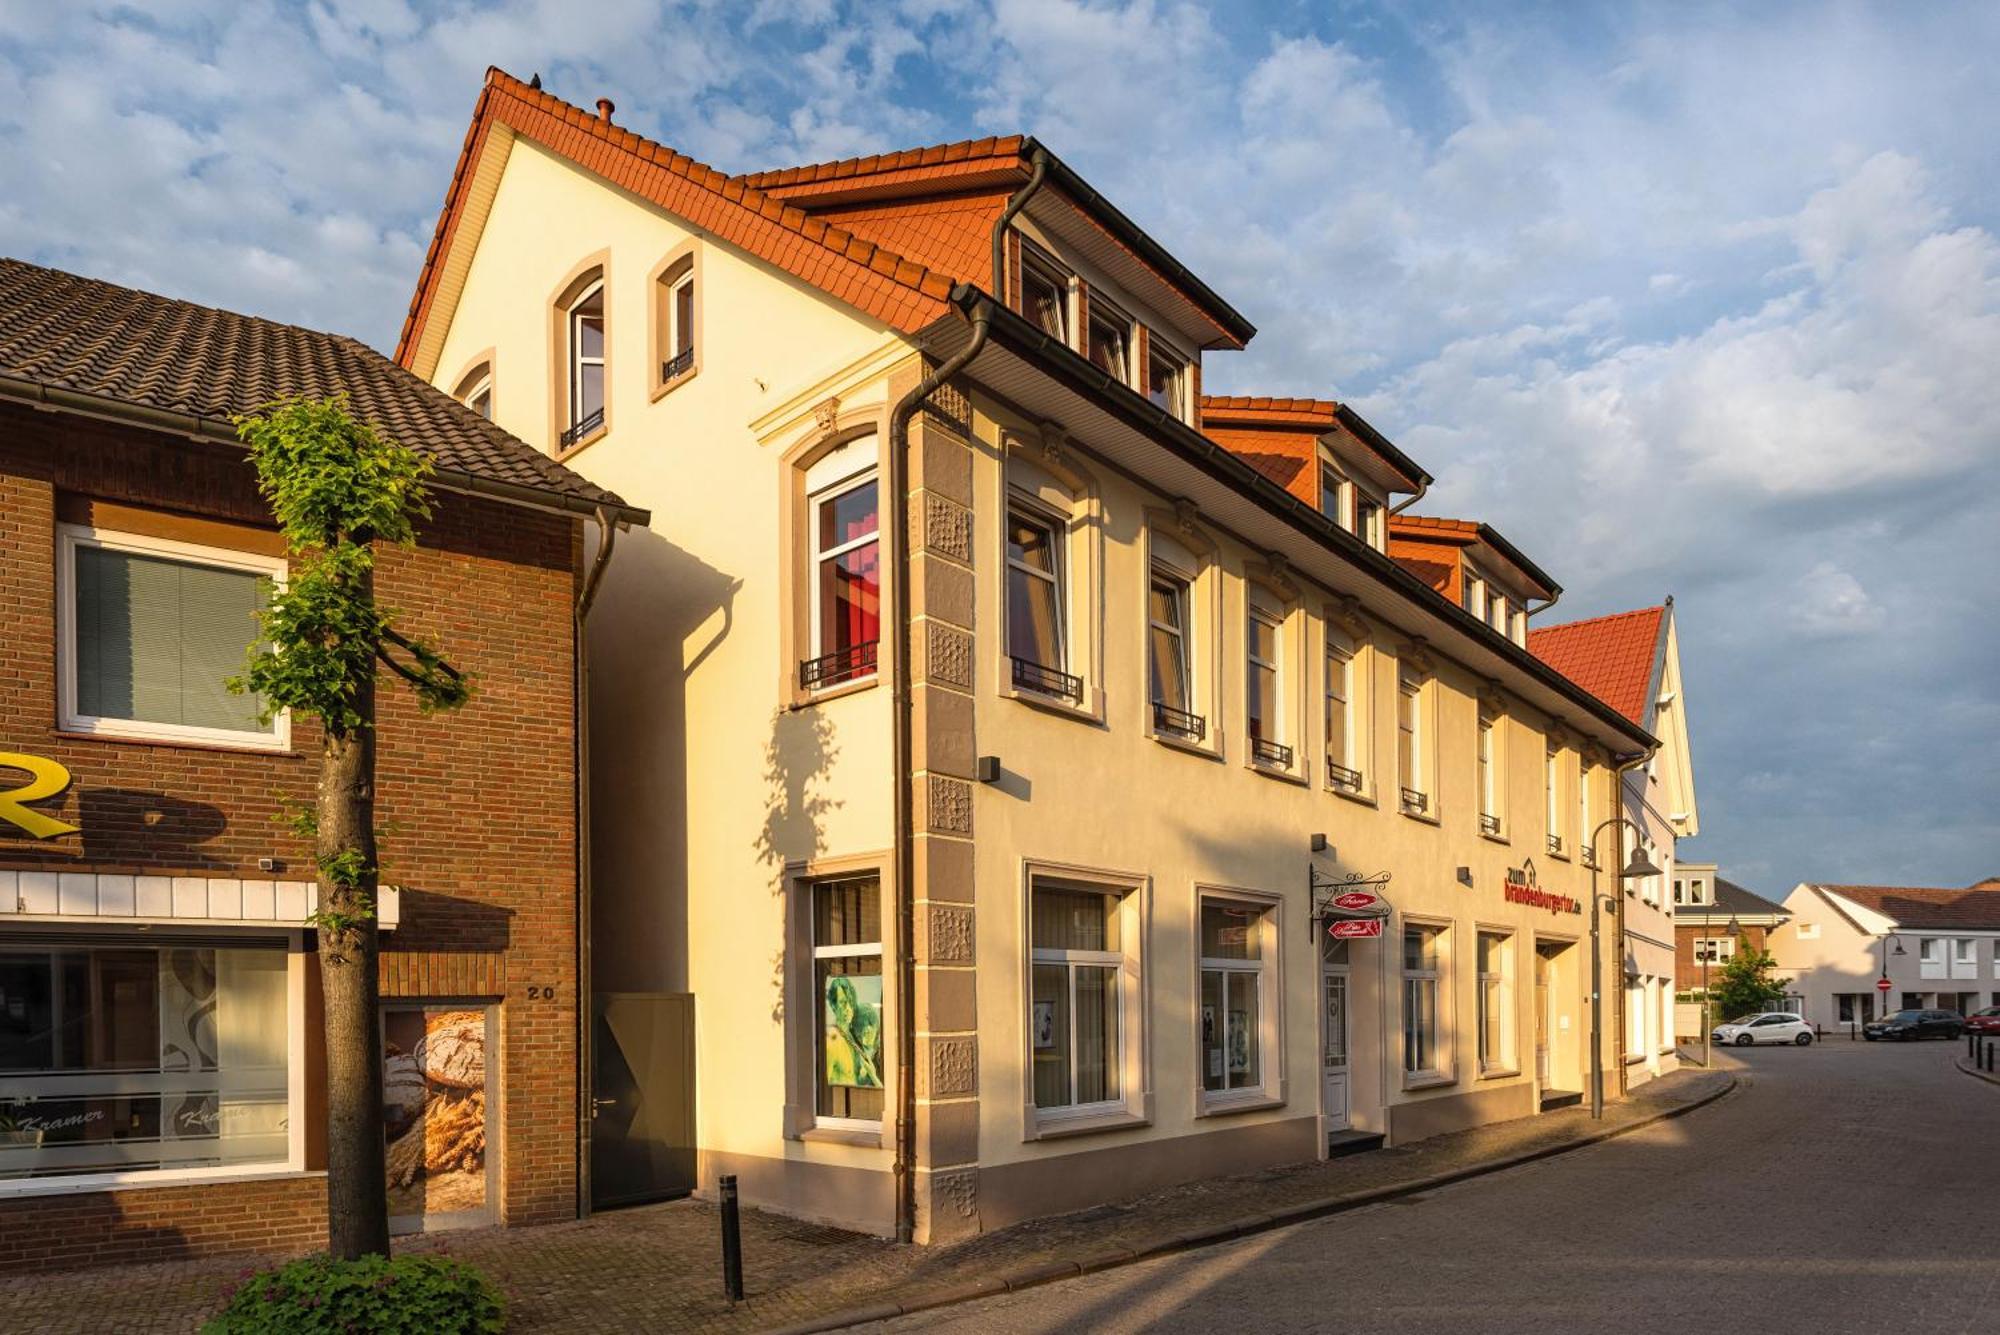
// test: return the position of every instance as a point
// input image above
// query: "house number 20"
(536, 993)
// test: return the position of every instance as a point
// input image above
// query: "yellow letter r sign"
(47, 779)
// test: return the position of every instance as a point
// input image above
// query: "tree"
(1745, 985)
(337, 487)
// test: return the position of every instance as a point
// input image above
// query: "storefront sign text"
(46, 779)
(1523, 890)
(1347, 929)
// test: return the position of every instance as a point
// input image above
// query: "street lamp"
(1886, 938)
(1638, 868)
(1735, 929)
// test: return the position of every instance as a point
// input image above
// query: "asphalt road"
(1841, 1188)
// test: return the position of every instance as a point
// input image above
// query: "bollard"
(732, 1241)
(1989, 1054)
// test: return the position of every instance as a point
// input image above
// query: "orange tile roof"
(937, 161)
(1426, 525)
(1249, 406)
(1976, 908)
(1612, 657)
(898, 291)
(950, 235)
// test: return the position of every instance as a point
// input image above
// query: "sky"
(1684, 299)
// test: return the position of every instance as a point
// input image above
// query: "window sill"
(806, 699)
(1255, 1100)
(564, 453)
(1500, 838)
(1428, 1080)
(1424, 817)
(666, 387)
(1207, 750)
(1636, 1059)
(1560, 857)
(83, 1182)
(1057, 1128)
(1500, 1073)
(1361, 795)
(1055, 704)
(827, 1135)
(285, 752)
(1279, 773)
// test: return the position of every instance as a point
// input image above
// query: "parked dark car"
(1908, 1025)
(1983, 1022)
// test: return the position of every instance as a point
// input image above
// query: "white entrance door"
(1542, 1019)
(1333, 1058)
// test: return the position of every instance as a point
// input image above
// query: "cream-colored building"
(1031, 907)
(1937, 948)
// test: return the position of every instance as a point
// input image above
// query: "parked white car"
(1769, 1027)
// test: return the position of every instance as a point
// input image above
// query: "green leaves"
(423, 1295)
(333, 479)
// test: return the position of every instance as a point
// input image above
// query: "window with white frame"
(1343, 740)
(584, 323)
(843, 523)
(1333, 495)
(1496, 1002)
(1166, 378)
(1411, 769)
(1168, 602)
(1517, 624)
(1488, 744)
(1714, 949)
(1965, 957)
(1650, 889)
(1367, 519)
(1931, 955)
(1423, 972)
(1235, 995)
(1473, 595)
(1076, 1014)
(150, 632)
(1045, 293)
(475, 389)
(1111, 335)
(1586, 777)
(1035, 593)
(142, 1057)
(1635, 1016)
(1552, 784)
(1496, 610)
(676, 316)
(848, 1068)
(1264, 679)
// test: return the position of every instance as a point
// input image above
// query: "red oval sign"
(1355, 899)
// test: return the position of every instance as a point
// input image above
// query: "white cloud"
(1832, 603)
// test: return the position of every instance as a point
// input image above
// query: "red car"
(1983, 1022)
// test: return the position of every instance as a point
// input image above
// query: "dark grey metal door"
(642, 1127)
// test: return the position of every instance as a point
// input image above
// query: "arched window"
(584, 350)
(475, 389)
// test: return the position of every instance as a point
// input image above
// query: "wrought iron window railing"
(679, 364)
(1589, 858)
(583, 427)
(1556, 844)
(1416, 802)
(1267, 752)
(1488, 824)
(1340, 776)
(849, 664)
(1045, 680)
(1179, 722)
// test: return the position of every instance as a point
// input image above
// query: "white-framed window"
(1965, 957)
(1237, 999)
(1045, 293)
(1412, 771)
(1423, 973)
(584, 321)
(1496, 1002)
(1635, 1016)
(475, 390)
(1368, 519)
(1931, 955)
(844, 541)
(134, 1059)
(677, 320)
(1552, 785)
(1169, 603)
(1264, 680)
(1112, 334)
(149, 632)
(1166, 377)
(849, 1064)
(1714, 949)
(1334, 497)
(1497, 604)
(1037, 600)
(1650, 889)
(1491, 772)
(1517, 624)
(1077, 1020)
(1343, 740)
(1474, 596)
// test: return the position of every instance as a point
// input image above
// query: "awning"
(93, 897)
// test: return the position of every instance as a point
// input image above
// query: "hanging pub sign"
(1352, 901)
(1349, 929)
(46, 779)
(1520, 888)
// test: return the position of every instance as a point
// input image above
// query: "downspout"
(586, 1070)
(1415, 496)
(1527, 612)
(900, 655)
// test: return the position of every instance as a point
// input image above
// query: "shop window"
(1496, 1002)
(848, 1069)
(132, 1060)
(1422, 985)
(440, 1111)
(151, 631)
(844, 563)
(584, 362)
(1076, 1012)
(1635, 1017)
(1236, 999)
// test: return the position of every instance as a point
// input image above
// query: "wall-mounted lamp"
(1319, 843)
(987, 769)
(1465, 876)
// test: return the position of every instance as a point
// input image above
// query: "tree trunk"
(357, 1198)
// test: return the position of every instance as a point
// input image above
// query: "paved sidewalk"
(658, 1267)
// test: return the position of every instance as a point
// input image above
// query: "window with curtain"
(1110, 340)
(1034, 587)
(1075, 1019)
(155, 630)
(846, 559)
(585, 321)
(1233, 986)
(1045, 293)
(1167, 633)
(1166, 378)
(1421, 976)
(1496, 1002)
(847, 999)
(142, 1058)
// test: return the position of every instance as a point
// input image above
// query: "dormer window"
(1474, 593)
(1368, 519)
(1166, 379)
(1045, 293)
(1333, 489)
(1110, 332)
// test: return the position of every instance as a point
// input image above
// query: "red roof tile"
(1429, 525)
(951, 235)
(1249, 407)
(1976, 908)
(937, 161)
(1611, 656)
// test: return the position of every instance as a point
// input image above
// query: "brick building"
(1713, 919)
(161, 1089)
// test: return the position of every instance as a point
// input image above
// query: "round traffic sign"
(1881, 985)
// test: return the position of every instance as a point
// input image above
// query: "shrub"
(415, 1294)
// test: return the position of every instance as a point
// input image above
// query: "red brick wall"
(476, 808)
(270, 1217)
(1687, 970)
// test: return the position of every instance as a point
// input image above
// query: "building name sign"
(46, 779)
(1350, 929)
(1520, 888)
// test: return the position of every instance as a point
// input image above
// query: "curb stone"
(1975, 1072)
(1188, 1240)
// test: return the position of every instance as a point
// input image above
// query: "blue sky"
(1688, 299)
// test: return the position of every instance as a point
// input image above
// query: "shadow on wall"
(467, 924)
(801, 751)
(661, 613)
(123, 825)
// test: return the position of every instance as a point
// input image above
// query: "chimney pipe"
(605, 106)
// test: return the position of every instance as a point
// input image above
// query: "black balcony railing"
(677, 365)
(1267, 752)
(1416, 802)
(1556, 844)
(1178, 722)
(849, 664)
(583, 427)
(1589, 858)
(1488, 824)
(1044, 680)
(1340, 776)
